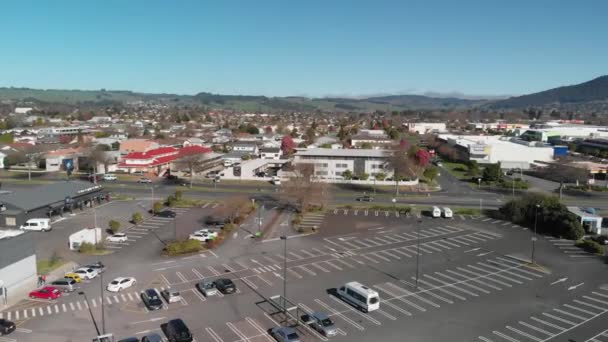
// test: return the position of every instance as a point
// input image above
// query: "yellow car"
(74, 276)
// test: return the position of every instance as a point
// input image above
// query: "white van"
(360, 296)
(447, 212)
(109, 177)
(39, 224)
(436, 212)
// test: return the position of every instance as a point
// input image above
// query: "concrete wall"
(19, 277)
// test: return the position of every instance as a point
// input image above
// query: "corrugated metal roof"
(41, 196)
(325, 152)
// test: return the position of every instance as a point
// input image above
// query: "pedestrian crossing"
(393, 214)
(557, 321)
(569, 249)
(139, 231)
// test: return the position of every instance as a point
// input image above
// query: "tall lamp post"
(418, 251)
(90, 312)
(534, 237)
(103, 314)
(479, 183)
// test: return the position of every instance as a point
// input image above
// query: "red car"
(47, 292)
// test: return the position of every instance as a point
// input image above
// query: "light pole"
(513, 179)
(284, 238)
(90, 312)
(534, 237)
(418, 251)
(103, 313)
(394, 200)
(479, 182)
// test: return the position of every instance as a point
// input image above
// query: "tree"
(268, 130)
(114, 226)
(380, 176)
(403, 166)
(234, 206)
(492, 173)
(136, 218)
(97, 157)
(473, 169)
(191, 162)
(366, 145)
(287, 145)
(157, 207)
(422, 157)
(30, 156)
(301, 192)
(348, 175)
(364, 176)
(431, 173)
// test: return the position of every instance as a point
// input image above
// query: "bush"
(590, 246)
(137, 218)
(553, 217)
(157, 207)
(466, 211)
(183, 247)
(178, 195)
(228, 227)
(90, 248)
(296, 219)
(114, 226)
(170, 201)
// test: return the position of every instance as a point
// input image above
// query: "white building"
(511, 153)
(271, 153)
(250, 148)
(545, 132)
(331, 164)
(426, 127)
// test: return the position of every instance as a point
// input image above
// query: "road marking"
(249, 283)
(530, 326)
(563, 312)
(548, 324)
(504, 336)
(339, 314)
(558, 318)
(181, 277)
(72, 306)
(464, 283)
(257, 327)
(214, 335)
(213, 270)
(197, 273)
(475, 280)
(451, 285)
(78, 305)
(517, 331)
(350, 308)
(65, 309)
(405, 301)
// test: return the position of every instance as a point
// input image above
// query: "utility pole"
(91, 312)
(534, 237)
(103, 315)
(418, 251)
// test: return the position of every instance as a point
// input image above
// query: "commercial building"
(510, 152)
(158, 161)
(47, 201)
(589, 220)
(426, 127)
(17, 267)
(546, 132)
(331, 164)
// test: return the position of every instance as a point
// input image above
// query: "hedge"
(590, 246)
(183, 247)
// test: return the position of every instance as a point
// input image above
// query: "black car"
(177, 331)
(152, 300)
(129, 339)
(365, 198)
(225, 285)
(166, 213)
(6, 327)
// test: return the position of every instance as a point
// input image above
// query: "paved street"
(469, 266)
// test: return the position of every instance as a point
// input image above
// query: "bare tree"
(30, 156)
(233, 207)
(403, 165)
(192, 162)
(302, 191)
(96, 157)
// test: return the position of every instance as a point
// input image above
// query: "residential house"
(271, 153)
(137, 145)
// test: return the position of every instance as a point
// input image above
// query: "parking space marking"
(339, 314)
(213, 270)
(350, 308)
(306, 270)
(197, 274)
(213, 334)
(463, 283)
(399, 298)
(294, 273)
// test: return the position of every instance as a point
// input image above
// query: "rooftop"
(32, 198)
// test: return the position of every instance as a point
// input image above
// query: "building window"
(321, 173)
(11, 221)
(322, 164)
(341, 166)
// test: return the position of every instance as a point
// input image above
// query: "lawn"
(45, 266)
(458, 170)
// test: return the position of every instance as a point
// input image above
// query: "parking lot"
(467, 267)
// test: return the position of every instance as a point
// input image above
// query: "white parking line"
(306, 270)
(519, 332)
(294, 273)
(212, 333)
(560, 328)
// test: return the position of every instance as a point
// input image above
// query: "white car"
(120, 284)
(109, 177)
(86, 273)
(144, 180)
(203, 235)
(117, 237)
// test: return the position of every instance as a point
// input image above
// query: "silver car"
(323, 324)
(285, 334)
(207, 288)
(65, 285)
(171, 296)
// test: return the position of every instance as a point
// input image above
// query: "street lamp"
(534, 237)
(394, 200)
(90, 311)
(479, 182)
(418, 251)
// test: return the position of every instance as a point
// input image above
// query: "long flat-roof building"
(47, 200)
(331, 164)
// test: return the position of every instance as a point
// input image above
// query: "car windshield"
(373, 300)
(292, 336)
(208, 285)
(114, 282)
(326, 322)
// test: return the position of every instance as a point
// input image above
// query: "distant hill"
(235, 102)
(591, 91)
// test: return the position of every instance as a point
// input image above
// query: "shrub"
(90, 248)
(590, 246)
(137, 218)
(170, 200)
(157, 207)
(178, 195)
(114, 226)
(228, 227)
(296, 219)
(183, 247)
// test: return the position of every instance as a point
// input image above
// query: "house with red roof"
(158, 161)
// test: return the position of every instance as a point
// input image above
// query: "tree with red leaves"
(287, 145)
(268, 130)
(403, 144)
(422, 157)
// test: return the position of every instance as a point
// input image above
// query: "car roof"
(151, 291)
(320, 315)
(287, 330)
(48, 288)
(120, 278)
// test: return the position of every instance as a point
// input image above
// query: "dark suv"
(225, 286)
(6, 327)
(177, 331)
(152, 300)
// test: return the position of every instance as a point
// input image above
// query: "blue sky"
(312, 48)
